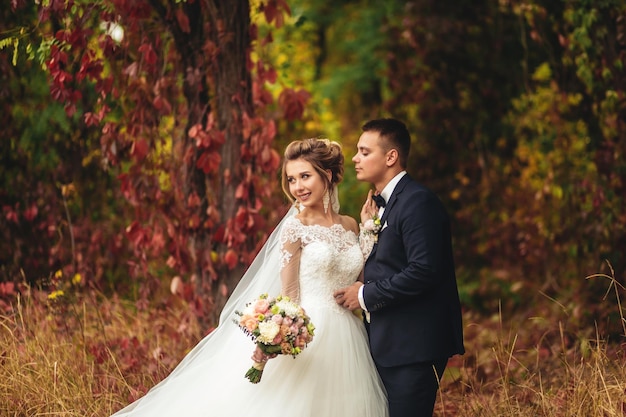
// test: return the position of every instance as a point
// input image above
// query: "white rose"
(268, 330)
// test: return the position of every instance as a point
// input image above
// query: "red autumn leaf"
(183, 20)
(7, 288)
(230, 258)
(262, 97)
(224, 290)
(31, 213)
(293, 102)
(203, 139)
(253, 31)
(272, 163)
(158, 241)
(218, 236)
(241, 218)
(208, 224)
(269, 132)
(266, 154)
(194, 221)
(139, 149)
(149, 56)
(125, 185)
(274, 12)
(245, 152)
(217, 138)
(246, 127)
(193, 200)
(270, 11)
(209, 162)
(193, 130)
(136, 234)
(241, 190)
(162, 105)
(90, 66)
(267, 39)
(91, 119)
(10, 214)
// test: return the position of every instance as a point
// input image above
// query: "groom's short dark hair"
(395, 135)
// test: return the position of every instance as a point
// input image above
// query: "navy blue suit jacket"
(410, 284)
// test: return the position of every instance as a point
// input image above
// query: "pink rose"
(301, 342)
(249, 323)
(278, 319)
(261, 306)
(287, 321)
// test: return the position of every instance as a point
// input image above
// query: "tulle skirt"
(333, 377)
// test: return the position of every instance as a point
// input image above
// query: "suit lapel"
(394, 197)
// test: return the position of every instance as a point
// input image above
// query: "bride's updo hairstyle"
(322, 154)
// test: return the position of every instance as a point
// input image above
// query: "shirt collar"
(391, 185)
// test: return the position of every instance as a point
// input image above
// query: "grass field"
(88, 355)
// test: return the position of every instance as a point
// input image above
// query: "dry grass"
(539, 366)
(588, 379)
(89, 356)
(86, 359)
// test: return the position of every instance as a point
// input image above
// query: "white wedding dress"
(333, 377)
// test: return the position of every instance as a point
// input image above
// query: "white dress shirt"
(385, 193)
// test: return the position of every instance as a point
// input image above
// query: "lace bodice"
(317, 260)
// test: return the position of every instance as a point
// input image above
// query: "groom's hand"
(348, 297)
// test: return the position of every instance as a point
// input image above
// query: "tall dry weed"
(529, 366)
(85, 358)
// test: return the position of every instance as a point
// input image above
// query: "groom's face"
(370, 159)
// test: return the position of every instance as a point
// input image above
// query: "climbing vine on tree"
(177, 104)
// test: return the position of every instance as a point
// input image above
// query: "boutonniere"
(372, 226)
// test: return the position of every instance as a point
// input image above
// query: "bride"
(313, 251)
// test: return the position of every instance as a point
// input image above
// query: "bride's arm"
(290, 252)
(367, 239)
(368, 229)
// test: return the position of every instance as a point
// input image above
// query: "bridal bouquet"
(278, 326)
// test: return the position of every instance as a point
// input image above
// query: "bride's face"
(305, 183)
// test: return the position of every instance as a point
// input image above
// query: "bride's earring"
(326, 201)
(297, 205)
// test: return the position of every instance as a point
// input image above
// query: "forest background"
(141, 149)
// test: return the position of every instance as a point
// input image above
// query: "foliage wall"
(142, 145)
(517, 110)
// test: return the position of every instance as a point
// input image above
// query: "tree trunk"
(233, 97)
(220, 83)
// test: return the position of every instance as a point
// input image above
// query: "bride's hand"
(369, 208)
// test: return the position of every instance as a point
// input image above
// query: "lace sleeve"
(290, 251)
(368, 234)
(367, 239)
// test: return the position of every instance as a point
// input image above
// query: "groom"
(409, 294)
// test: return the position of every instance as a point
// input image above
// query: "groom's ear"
(392, 157)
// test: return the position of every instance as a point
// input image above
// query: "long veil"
(263, 276)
